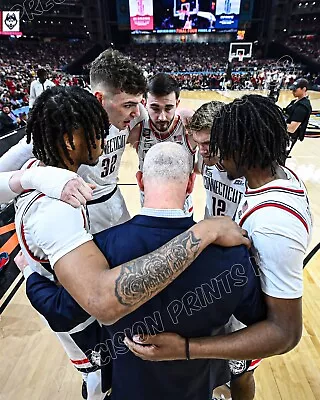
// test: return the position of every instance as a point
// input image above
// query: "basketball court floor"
(34, 366)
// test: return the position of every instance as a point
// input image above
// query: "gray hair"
(167, 161)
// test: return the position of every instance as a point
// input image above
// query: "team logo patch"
(96, 358)
(11, 20)
(237, 366)
(4, 259)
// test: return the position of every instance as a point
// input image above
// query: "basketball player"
(223, 192)
(56, 114)
(163, 123)
(54, 236)
(118, 84)
(251, 139)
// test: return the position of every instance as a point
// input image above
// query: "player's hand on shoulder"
(77, 192)
(228, 232)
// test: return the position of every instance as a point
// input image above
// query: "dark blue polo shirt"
(219, 283)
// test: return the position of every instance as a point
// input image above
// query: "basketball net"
(182, 14)
(240, 56)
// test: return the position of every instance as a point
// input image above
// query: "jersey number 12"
(218, 207)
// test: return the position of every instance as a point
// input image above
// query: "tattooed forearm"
(141, 279)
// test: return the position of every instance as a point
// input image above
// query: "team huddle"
(207, 301)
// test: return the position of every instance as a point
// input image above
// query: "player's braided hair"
(60, 110)
(252, 131)
(116, 71)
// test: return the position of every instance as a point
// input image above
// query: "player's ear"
(139, 177)
(67, 141)
(191, 182)
(99, 96)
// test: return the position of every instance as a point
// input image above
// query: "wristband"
(27, 272)
(187, 349)
(48, 180)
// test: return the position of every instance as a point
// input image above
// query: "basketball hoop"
(240, 57)
(182, 14)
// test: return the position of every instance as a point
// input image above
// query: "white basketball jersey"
(38, 262)
(105, 174)
(278, 221)
(222, 194)
(149, 136)
(24, 204)
(288, 195)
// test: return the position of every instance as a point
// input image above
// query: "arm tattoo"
(141, 279)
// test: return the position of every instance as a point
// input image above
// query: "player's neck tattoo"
(141, 279)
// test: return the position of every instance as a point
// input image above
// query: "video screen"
(184, 16)
(227, 14)
(141, 15)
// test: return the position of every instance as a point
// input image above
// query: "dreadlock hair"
(112, 70)
(204, 116)
(59, 111)
(252, 131)
(162, 84)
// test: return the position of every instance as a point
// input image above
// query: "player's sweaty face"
(122, 108)
(202, 138)
(162, 110)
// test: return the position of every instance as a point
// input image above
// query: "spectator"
(7, 120)
(39, 85)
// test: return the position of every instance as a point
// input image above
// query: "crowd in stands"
(309, 46)
(155, 58)
(195, 66)
(19, 62)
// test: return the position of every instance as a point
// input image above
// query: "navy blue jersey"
(219, 283)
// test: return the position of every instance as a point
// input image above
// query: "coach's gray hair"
(204, 116)
(167, 161)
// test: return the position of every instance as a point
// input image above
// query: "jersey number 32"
(108, 165)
